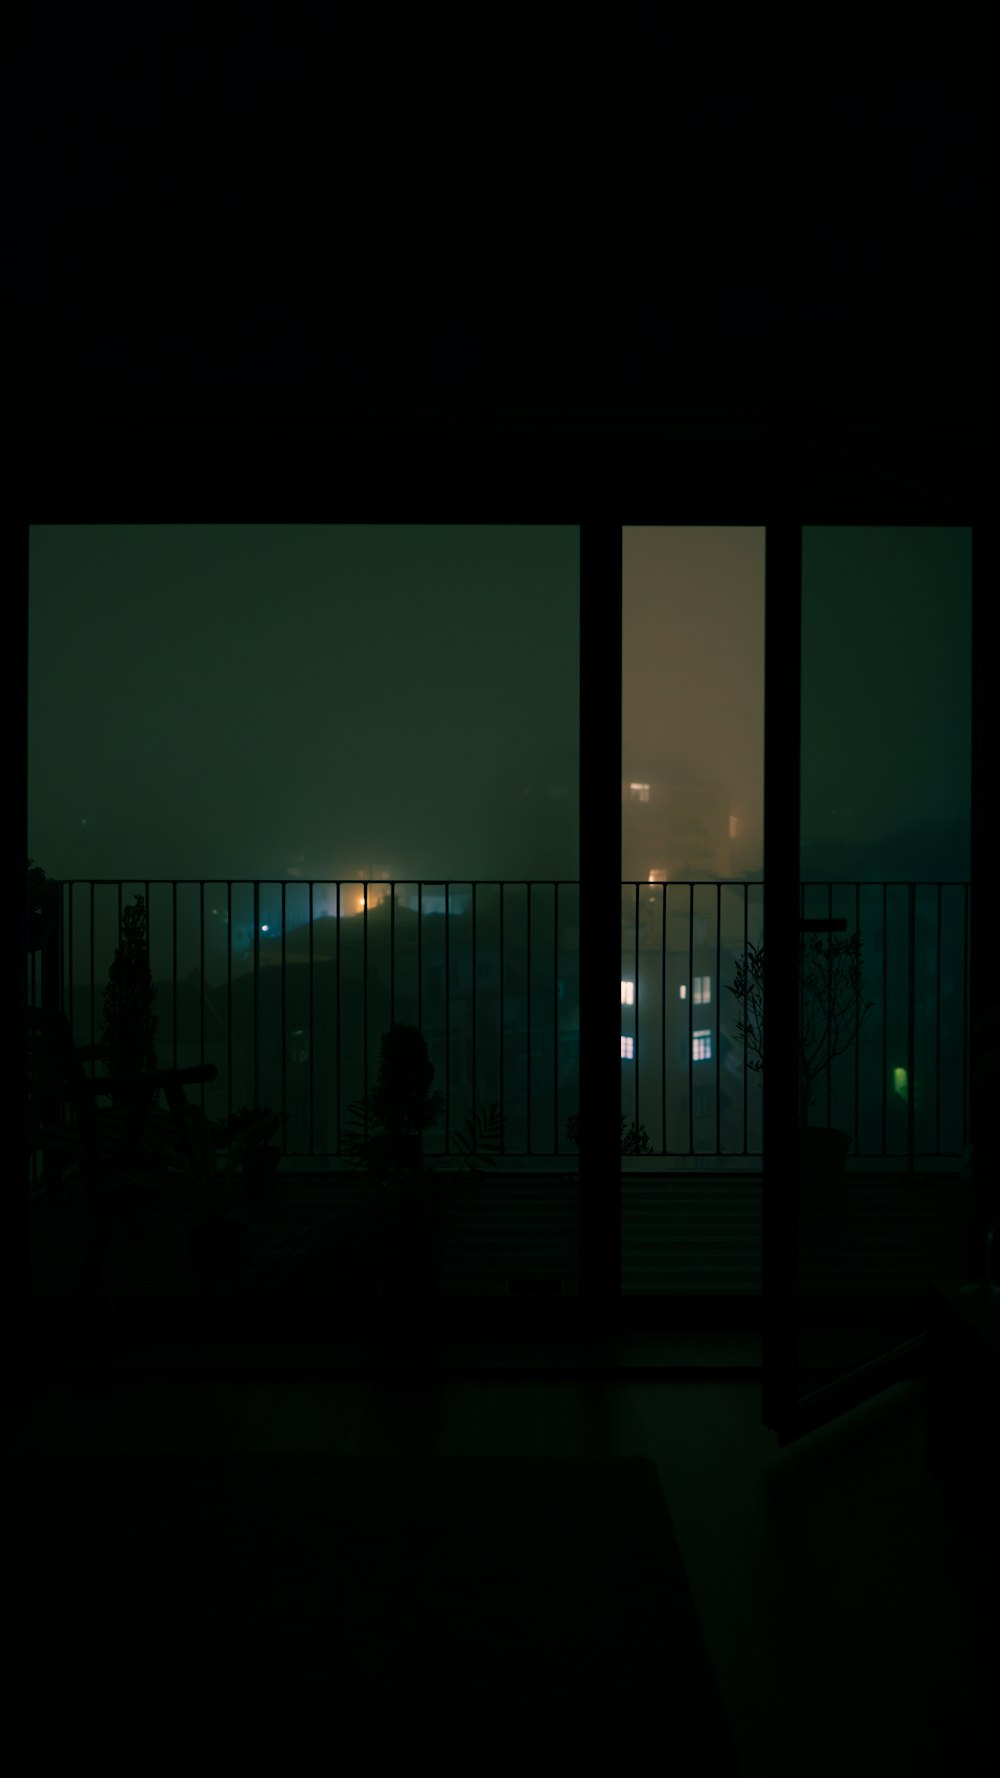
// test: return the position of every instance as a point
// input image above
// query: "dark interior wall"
(249, 239)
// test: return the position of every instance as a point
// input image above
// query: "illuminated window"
(639, 793)
(627, 991)
(626, 1049)
(702, 990)
(701, 1046)
(683, 991)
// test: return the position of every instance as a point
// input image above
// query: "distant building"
(675, 832)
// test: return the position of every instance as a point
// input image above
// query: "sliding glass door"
(868, 673)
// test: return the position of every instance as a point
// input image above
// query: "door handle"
(822, 925)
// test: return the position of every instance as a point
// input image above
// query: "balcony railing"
(288, 986)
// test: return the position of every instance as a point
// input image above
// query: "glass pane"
(692, 899)
(886, 754)
(345, 759)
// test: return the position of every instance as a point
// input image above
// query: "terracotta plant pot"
(216, 1251)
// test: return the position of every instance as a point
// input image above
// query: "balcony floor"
(683, 1235)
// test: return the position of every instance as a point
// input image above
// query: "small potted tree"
(831, 1019)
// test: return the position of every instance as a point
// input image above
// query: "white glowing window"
(627, 1047)
(627, 993)
(701, 1046)
(683, 991)
(702, 990)
(639, 793)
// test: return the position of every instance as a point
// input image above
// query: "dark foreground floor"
(845, 1598)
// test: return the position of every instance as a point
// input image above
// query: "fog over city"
(290, 702)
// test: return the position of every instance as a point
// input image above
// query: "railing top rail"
(444, 882)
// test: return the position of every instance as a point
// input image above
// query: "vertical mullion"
(782, 912)
(600, 918)
(600, 748)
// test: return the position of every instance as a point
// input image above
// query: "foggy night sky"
(253, 700)
(266, 701)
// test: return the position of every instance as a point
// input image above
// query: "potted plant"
(386, 1143)
(261, 1157)
(128, 1023)
(831, 1018)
